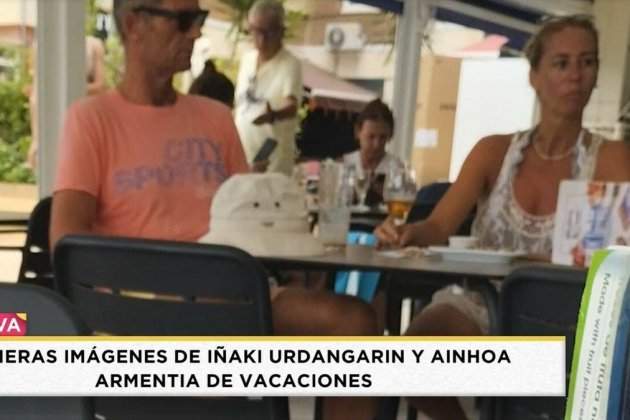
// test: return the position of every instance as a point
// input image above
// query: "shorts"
(468, 302)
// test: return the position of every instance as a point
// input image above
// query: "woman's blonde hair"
(536, 44)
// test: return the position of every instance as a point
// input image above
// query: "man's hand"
(267, 117)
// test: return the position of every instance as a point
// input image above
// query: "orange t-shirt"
(153, 170)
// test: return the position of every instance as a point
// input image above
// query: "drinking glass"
(361, 186)
(335, 192)
(399, 192)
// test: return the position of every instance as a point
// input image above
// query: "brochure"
(589, 216)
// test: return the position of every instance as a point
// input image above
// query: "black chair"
(427, 198)
(197, 289)
(48, 314)
(539, 301)
(36, 267)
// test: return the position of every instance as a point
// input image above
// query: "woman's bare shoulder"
(496, 141)
(492, 148)
(486, 158)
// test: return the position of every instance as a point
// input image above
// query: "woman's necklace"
(558, 156)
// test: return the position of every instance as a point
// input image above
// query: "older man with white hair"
(269, 88)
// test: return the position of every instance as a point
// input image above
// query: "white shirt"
(354, 158)
(272, 82)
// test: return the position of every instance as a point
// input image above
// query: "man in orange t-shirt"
(143, 160)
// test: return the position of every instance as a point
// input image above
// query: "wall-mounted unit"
(346, 36)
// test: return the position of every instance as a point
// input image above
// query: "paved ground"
(21, 198)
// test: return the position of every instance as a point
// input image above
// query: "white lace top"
(501, 223)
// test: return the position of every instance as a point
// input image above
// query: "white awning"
(329, 91)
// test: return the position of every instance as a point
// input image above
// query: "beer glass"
(399, 192)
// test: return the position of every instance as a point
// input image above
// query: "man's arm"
(287, 110)
(72, 212)
(485, 158)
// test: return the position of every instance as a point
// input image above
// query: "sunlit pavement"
(18, 198)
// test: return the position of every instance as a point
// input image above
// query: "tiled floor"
(18, 198)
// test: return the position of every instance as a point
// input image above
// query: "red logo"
(13, 324)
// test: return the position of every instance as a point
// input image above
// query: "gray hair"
(122, 7)
(272, 8)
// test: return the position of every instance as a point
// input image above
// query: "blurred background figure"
(94, 65)
(95, 84)
(268, 88)
(213, 84)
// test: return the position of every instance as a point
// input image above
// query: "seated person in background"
(213, 84)
(95, 65)
(373, 129)
(95, 84)
(145, 161)
(514, 179)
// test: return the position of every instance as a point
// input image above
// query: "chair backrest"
(48, 314)
(427, 198)
(540, 300)
(144, 287)
(217, 290)
(36, 267)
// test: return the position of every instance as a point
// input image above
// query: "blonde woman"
(514, 180)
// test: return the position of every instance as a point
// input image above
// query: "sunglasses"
(185, 18)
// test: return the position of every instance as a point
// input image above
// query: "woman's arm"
(475, 178)
(613, 162)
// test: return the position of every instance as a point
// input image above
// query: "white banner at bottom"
(272, 366)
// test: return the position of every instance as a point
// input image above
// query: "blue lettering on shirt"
(193, 161)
